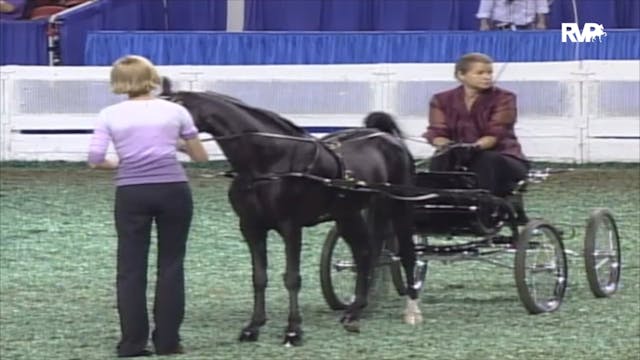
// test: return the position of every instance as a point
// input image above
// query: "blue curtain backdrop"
(387, 15)
(23, 43)
(137, 15)
(220, 48)
(106, 14)
(196, 14)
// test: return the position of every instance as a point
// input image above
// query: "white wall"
(568, 111)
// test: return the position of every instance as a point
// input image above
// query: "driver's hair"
(464, 62)
(134, 75)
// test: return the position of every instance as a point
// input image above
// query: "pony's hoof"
(414, 318)
(248, 335)
(292, 339)
(350, 324)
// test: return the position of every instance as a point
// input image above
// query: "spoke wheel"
(337, 271)
(602, 256)
(540, 267)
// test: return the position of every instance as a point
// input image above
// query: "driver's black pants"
(496, 172)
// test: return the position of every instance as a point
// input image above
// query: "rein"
(291, 137)
(346, 182)
(332, 144)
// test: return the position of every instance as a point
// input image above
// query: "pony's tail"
(166, 87)
(382, 121)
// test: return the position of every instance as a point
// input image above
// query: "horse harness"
(345, 179)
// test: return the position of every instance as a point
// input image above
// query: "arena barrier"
(580, 112)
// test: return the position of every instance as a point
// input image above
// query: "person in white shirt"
(512, 14)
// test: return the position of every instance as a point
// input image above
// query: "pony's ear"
(166, 86)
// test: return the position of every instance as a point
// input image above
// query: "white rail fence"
(578, 112)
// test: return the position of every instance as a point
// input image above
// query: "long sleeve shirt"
(517, 12)
(493, 113)
(144, 134)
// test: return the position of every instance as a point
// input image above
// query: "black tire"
(599, 251)
(337, 295)
(550, 297)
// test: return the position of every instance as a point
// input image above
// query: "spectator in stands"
(12, 9)
(512, 14)
(483, 116)
(151, 186)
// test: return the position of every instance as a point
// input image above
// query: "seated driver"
(483, 116)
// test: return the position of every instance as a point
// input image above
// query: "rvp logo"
(589, 32)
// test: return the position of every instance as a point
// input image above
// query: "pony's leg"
(403, 226)
(354, 231)
(256, 238)
(292, 236)
(379, 228)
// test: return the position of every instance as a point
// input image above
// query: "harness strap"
(344, 179)
(332, 145)
(386, 189)
(264, 134)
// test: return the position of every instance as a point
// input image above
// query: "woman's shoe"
(177, 350)
(144, 352)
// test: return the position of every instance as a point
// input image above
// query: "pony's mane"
(265, 116)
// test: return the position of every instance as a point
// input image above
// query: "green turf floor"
(57, 274)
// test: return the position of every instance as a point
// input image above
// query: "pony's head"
(220, 114)
(191, 101)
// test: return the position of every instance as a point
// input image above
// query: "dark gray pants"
(496, 172)
(136, 208)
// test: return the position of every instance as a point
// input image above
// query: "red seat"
(42, 12)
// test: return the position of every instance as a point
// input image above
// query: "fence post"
(6, 91)
(380, 88)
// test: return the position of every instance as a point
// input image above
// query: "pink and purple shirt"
(144, 134)
(494, 113)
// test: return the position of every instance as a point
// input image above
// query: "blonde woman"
(151, 186)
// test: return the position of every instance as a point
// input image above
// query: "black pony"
(286, 179)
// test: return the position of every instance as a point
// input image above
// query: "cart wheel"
(337, 271)
(602, 253)
(540, 267)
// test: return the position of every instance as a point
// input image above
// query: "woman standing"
(151, 186)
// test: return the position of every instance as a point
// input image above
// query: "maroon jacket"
(493, 113)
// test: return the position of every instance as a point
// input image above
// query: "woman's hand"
(486, 142)
(107, 164)
(441, 143)
(484, 25)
